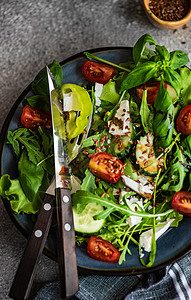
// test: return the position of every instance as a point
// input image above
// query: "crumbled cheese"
(132, 203)
(144, 190)
(122, 193)
(143, 180)
(97, 93)
(70, 102)
(146, 236)
(148, 189)
(123, 116)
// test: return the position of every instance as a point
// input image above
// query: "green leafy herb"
(145, 114)
(91, 56)
(40, 83)
(88, 183)
(139, 48)
(163, 122)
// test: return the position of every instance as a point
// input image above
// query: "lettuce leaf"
(13, 192)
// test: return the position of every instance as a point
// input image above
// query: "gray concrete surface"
(33, 33)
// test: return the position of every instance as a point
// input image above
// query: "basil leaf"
(40, 83)
(178, 59)
(139, 47)
(173, 78)
(185, 75)
(163, 122)
(39, 102)
(139, 75)
(163, 52)
(145, 113)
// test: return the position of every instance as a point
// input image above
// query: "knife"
(66, 245)
(24, 276)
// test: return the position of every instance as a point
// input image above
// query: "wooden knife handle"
(23, 280)
(66, 244)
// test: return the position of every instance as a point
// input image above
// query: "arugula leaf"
(35, 144)
(163, 122)
(186, 144)
(90, 56)
(176, 173)
(84, 197)
(12, 139)
(104, 214)
(139, 48)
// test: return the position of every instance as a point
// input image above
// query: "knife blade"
(24, 276)
(66, 245)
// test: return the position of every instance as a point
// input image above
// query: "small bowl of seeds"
(168, 14)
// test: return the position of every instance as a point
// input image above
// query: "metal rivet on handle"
(38, 233)
(67, 227)
(47, 206)
(66, 199)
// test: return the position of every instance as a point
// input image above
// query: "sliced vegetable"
(145, 155)
(106, 166)
(184, 120)
(181, 203)
(76, 102)
(122, 142)
(152, 90)
(103, 250)
(76, 124)
(97, 72)
(84, 222)
(32, 118)
(120, 124)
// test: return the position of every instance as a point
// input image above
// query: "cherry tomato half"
(181, 203)
(152, 90)
(184, 120)
(106, 166)
(102, 250)
(32, 118)
(97, 72)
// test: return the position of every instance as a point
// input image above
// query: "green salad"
(131, 178)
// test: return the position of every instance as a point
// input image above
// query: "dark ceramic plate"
(173, 245)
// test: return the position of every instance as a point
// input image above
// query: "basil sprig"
(157, 65)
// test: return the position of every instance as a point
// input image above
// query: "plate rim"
(23, 231)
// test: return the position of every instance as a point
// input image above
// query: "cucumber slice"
(84, 222)
(122, 142)
(145, 155)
